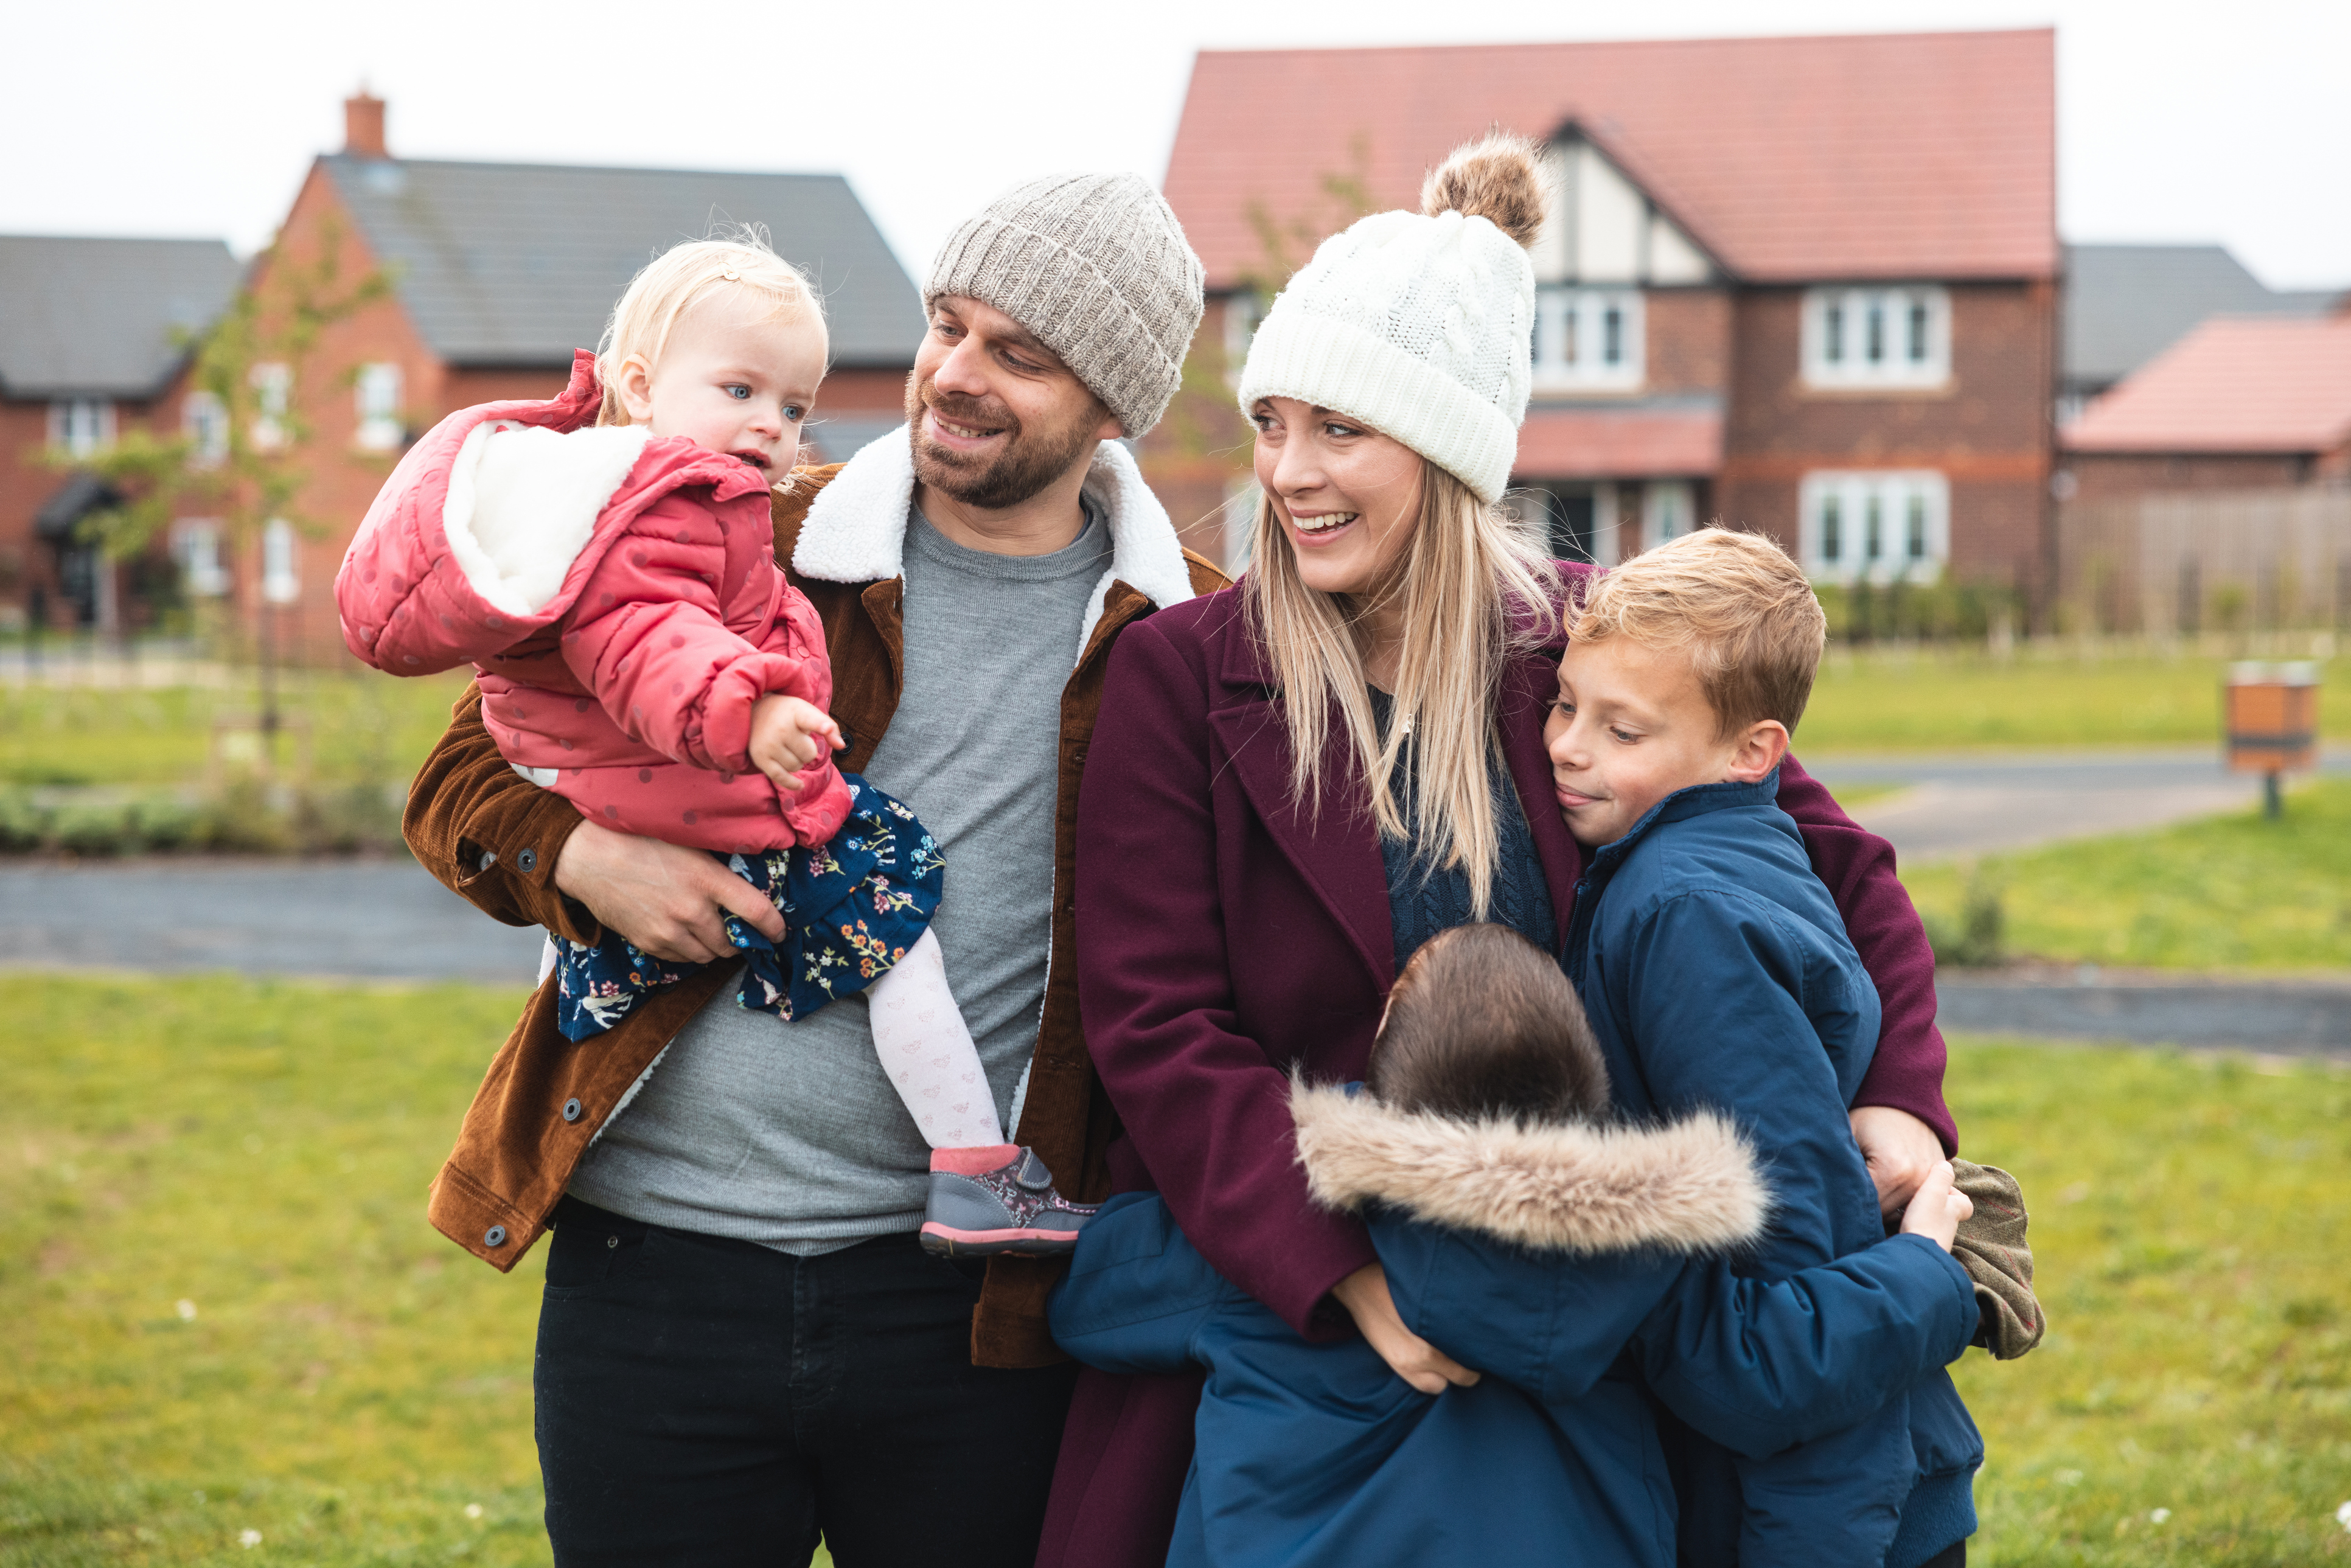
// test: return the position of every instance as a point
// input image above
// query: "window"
(196, 546)
(281, 562)
(1588, 337)
(1877, 337)
(1667, 512)
(81, 425)
(1243, 312)
(378, 391)
(273, 391)
(205, 421)
(1884, 526)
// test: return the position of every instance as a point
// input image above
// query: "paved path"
(370, 919)
(388, 920)
(2286, 1017)
(1979, 804)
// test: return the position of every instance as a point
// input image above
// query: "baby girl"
(605, 562)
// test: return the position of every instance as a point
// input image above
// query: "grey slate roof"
(2125, 304)
(518, 264)
(101, 318)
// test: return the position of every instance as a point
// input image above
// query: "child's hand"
(1936, 1209)
(787, 735)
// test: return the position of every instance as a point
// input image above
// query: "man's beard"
(1028, 464)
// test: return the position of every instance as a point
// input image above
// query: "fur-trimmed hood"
(856, 527)
(1692, 1185)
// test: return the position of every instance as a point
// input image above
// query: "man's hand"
(1365, 1294)
(1900, 1149)
(1938, 1209)
(787, 735)
(669, 900)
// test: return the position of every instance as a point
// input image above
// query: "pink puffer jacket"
(618, 599)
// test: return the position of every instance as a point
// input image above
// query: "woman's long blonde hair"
(1475, 589)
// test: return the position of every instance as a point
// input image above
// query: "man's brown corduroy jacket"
(493, 838)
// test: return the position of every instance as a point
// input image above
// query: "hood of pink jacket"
(418, 591)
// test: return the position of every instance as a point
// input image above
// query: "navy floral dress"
(852, 907)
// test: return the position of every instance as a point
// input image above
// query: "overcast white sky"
(2176, 121)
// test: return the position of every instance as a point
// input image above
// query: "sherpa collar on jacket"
(856, 527)
(1691, 1186)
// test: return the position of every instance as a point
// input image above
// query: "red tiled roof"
(2234, 384)
(1618, 444)
(1922, 155)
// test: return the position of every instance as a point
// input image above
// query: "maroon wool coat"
(1225, 937)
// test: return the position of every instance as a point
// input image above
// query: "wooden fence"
(2250, 560)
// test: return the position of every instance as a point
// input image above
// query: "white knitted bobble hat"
(1420, 324)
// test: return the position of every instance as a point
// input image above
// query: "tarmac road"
(1978, 803)
(369, 919)
(388, 919)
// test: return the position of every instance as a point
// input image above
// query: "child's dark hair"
(1482, 1023)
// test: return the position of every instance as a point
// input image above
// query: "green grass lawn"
(2227, 892)
(1954, 700)
(2190, 1221)
(350, 1386)
(369, 727)
(363, 726)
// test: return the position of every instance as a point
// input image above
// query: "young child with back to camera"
(1579, 1262)
(605, 561)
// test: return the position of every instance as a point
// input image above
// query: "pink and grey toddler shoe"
(998, 1198)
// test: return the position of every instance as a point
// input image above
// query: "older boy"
(1717, 973)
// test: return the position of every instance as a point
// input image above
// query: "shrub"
(23, 825)
(1979, 938)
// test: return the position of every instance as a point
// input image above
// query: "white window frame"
(1244, 313)
(1910, 509)
(376, 393)
(81, 426)
(281, 562)
(203, 420)
(1668, 511)
(1908, 329)
(196, 546)
(1572, 339)
(273, 394)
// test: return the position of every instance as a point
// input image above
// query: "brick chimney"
(364, 126)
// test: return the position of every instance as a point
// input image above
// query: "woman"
(1297, 781)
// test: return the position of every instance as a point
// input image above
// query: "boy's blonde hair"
(741, 263)
(1749, 620)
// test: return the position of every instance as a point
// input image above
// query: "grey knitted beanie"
(1098, 267)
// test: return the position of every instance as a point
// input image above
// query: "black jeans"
(708, 1401)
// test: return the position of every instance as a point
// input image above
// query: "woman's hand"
(1365, 1294)
(671, 901)
(1901, 1150)
(1938, 1207)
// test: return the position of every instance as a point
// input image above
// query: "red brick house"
(2240, 403)
(497, 272)
(1803, 284)
(94, 339)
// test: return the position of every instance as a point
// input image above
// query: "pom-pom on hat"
(1420, 324)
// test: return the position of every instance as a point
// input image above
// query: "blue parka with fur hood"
(1566, 1262)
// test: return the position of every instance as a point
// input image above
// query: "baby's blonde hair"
(742, 263)
(1749, 620)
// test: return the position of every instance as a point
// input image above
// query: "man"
(742, 1347)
